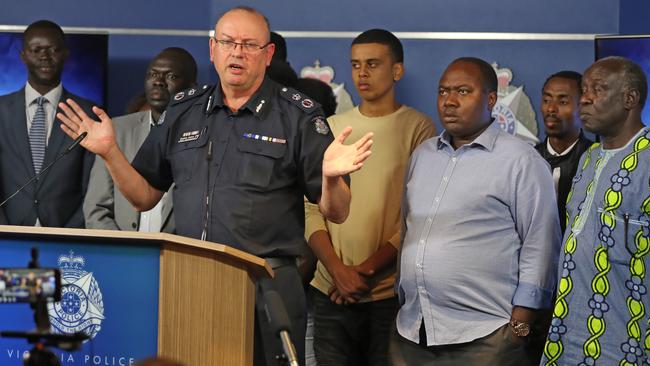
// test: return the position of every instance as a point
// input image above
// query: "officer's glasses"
(247, 47)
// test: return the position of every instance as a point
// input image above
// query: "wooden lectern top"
(257, 266)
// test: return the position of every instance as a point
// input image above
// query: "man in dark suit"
(105, 207)
(565, 142)
(28, 141)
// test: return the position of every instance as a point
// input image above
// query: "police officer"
(242, 154)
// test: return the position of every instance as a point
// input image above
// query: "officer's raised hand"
(101, 136)
(101, 141)
(340, 159)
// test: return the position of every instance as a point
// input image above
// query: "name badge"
(190, 136)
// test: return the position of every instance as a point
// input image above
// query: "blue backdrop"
(84, 73)
(531, 61)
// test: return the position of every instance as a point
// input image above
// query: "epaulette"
(188, 94)
(299, 99)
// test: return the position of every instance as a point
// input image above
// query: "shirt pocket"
(622, 240)
(259, 159)
(185, 157)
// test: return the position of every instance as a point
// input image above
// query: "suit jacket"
(568, 165)
(56, 198)
(105, 207)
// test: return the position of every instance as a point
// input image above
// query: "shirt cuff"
(531, 296)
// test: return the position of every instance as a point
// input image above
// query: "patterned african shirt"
(601, 313)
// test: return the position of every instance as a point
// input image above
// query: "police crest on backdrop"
(326, 74)
(513, 110)
(81, 308)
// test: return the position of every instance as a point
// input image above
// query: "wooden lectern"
(206, 294)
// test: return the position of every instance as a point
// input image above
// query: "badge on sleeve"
(320, 125)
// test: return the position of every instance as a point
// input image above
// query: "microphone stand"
(278, 318)
(38, 175)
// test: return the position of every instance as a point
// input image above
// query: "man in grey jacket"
(171, 71)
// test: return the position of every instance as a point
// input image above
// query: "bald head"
(630, 74)
(240, 51)
(614, 90)
(251, 13)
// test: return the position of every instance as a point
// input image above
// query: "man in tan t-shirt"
(354, 300)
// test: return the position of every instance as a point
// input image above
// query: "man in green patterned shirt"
(601, 313)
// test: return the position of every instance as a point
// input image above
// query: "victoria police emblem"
(81, 308)
(513, 111)
(320, 125)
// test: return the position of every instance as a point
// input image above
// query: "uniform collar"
(259, 103)
(485, 139)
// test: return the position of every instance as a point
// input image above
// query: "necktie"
(38, 134)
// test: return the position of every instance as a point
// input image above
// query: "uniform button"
(445, 178)
(133, 225)
(453, 159)
(429, 221)
(36, 202)
(419, 265)
(422, 241)
(437, 199)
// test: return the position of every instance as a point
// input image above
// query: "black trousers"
(267, 344)
(352, 335)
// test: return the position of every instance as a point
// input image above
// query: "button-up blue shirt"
(481, 234)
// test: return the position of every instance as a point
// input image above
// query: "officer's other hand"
(101, 137)
(340, 159)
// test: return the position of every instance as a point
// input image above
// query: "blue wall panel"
(556, 16)
(129, 55)
(163, 14)
(425, 60)
(634, 17)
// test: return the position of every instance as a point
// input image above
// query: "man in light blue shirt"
(481, 234)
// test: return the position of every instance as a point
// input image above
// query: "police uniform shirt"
(263, 159)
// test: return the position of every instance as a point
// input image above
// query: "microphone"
(277, 316)
(204, 233)
(35, 177)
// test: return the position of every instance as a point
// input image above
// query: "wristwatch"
(520, 329)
